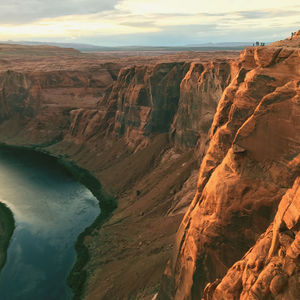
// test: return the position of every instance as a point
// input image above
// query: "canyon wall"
(176, 98)
(143, 130)
(126, 124)
(39, 105)
(251, 163)
(200, 92)
(270, 269)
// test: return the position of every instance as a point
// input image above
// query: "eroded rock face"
(42, 104)
(14, 97)
(200, 92)
(147, 99)
(175, 97)
(269, 270)
(251, 161)
(178, 98)
(120, 127)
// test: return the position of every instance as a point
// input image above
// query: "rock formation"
(142, 126)
(200, 92)
(270, 269)
(118, 119)
(251, 162)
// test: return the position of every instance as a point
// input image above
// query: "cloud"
(138, 24)
(199, 6)
(147, 22)
(267, 14)
(27, 11)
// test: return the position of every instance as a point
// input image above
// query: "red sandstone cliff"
(270, 269)
(200, 92)
(121, 127)
(251, 162)
(142, 132)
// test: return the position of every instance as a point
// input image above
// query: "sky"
(148, 22)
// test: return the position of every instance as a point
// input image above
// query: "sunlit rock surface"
(251, 162)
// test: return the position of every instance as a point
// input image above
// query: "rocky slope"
(251, 163)
(121, 126)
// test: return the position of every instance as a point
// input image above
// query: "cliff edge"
(293, 41)
(252, 162)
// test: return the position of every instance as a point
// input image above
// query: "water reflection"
(50, 210)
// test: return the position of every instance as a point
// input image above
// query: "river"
(50, 210)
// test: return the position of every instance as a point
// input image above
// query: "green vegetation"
(7, 226)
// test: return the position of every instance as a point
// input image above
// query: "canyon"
(143, 125)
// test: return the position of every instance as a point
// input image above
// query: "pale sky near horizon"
(148, 22)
